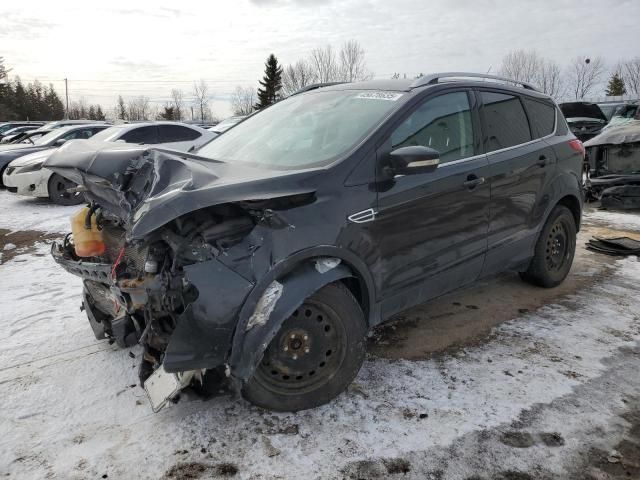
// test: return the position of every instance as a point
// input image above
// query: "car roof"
(417, 84)
(68, 128)
(131, 126)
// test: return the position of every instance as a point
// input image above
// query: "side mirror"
(414, 159)
(60, 142)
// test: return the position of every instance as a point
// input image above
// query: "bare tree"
(584, 75)
(324, 64)
(177, 102)
(243, 100)
(352, 64)
(549, 79)
(139, 108)
(630, 70)
(201, 97)
(521, 65)
(297, 76)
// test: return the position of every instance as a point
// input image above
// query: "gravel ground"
(499, 381)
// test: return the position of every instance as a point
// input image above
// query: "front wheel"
(554, 250)
(316, 354)
(58, 191)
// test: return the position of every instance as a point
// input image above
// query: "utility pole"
(66, 94)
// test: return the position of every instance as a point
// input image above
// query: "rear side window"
(83, 133)
(442, 123)
(143, 135)
(176, 133)
(542, 117)
(505, 123)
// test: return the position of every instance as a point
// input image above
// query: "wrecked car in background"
(614, 166)
(263, 258)
(585, 119)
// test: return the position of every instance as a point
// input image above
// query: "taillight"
(577, 145)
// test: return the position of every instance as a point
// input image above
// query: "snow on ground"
(621, 219)
(71, 407)
(26, 213)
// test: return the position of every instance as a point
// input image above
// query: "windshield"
(45, 139)
(303, 131)
(107, 134)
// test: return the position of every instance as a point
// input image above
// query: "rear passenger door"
(178, 137)
(520, 164)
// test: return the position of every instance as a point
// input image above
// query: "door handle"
(473, 181)
(542, 161)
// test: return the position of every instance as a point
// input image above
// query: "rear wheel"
(554, 250)
(58, 193)
(316, 354)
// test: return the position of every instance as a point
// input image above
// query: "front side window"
(443, 123)
(506, 124)
(303, 131)
(81, 133)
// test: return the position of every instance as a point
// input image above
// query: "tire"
(554, 250)
(57, 187)
(314, 357)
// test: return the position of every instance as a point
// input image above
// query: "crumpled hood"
(583, 111)
(148, 188)
(31, 158)
(625, 133)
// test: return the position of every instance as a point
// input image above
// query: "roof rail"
(434, 78)
(314, 86)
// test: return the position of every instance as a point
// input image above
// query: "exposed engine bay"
(185, 281)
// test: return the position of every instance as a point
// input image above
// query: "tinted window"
(542, 117)
(176, 133)
(506, 124)
(145, 135)
(442, 123)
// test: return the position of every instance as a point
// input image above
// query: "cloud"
(161, 12)
(279, 3)
(14, 25)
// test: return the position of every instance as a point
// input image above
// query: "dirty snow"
(71, 407)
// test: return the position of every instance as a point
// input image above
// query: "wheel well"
(573, 204)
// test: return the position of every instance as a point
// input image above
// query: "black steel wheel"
(315, 355)
(58, 191)
(554, 250)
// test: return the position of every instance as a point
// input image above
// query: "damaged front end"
(175, 267)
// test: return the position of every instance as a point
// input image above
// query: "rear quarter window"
(542, 117)
(505, 122)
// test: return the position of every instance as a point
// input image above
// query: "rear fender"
(292, 289)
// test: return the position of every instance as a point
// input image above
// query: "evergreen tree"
(121, 109)
(271, 83)
(616, 86)
(99, 113)
(92, 113)
(168, 113)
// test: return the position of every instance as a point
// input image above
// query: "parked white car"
(25, 175)
(171, 135)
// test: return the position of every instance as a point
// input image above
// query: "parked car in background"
(12, 133)
(70, 123)
(26, 176)
(5, 127)
(226, 124)
(609, 108)
(28, 137)
(266, 255)
(585, 119)
(53, 139)
(172, 135)
(627, 113)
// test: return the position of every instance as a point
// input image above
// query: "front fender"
(249, 344)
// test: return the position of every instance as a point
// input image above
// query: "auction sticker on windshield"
(392, 96)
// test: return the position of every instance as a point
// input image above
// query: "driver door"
(431, 228)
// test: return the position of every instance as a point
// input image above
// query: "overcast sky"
(149, 47)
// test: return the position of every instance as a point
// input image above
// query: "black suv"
(264, 258)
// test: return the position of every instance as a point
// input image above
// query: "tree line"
(581, 78)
